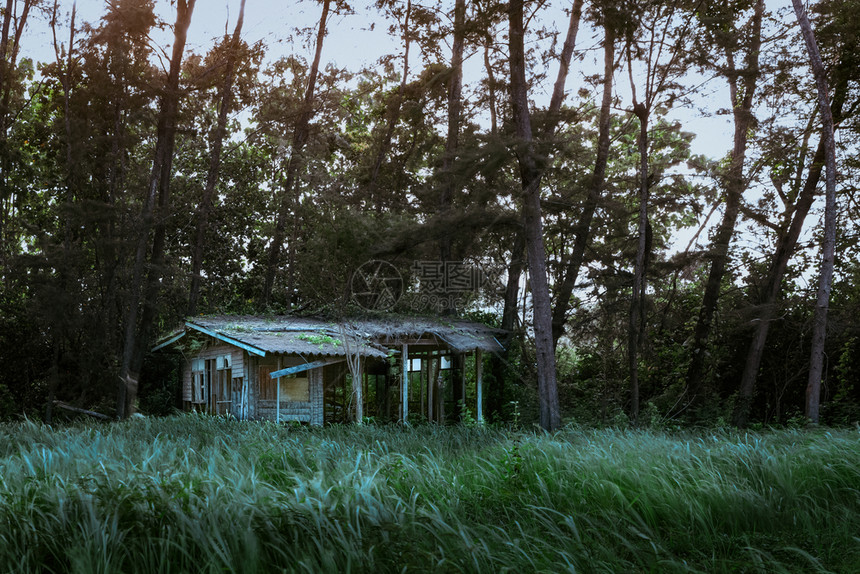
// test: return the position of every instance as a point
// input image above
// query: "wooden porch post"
(421, 362)
(479, 373)
(278, 395)
(365, 390)
(429, 377)
(440, 390)
(357, 389)
(404, 389)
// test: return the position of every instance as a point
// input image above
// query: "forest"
(549, 144)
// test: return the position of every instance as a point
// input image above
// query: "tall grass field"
(202, 494)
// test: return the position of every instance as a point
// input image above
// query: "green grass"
(195, 493)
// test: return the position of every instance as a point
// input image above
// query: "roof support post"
(425, 385)
(457, 386)
(421, 384)
(404, 387)
(431, 382)
(479, 373)
(357, 387)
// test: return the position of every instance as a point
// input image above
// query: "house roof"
(312, 336)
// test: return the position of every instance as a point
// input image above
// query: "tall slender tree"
(721, 30)
(531, 172)
(662, 35)
(145, 282)
(225, 103)
(553, 116)
(582, 229)
(289, 196)
(803, 193)
(828, 247)
(455, 105)
(59, 331)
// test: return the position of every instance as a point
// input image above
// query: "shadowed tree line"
(640, 282)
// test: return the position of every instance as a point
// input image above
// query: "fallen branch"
(68, 407)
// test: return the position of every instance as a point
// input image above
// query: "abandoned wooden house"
(317, 371)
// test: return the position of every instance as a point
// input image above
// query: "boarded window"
(292, 388)
(295, 389)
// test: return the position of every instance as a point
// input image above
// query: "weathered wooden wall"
(210, 351)
(310, 412)
(247, 367)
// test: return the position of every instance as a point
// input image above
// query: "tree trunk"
(785, 247)
(530, 176)
(582, 231)
(553, 117)
(288, 198)
(819, 325)
(155, 204)
(495, 400)
(735, 185)
(225, 102)
(636, 332)
(491, 85)
(8, 64)
(60, 327)
(455, 89)
(515, 268)
(8, 14)
(558, 93)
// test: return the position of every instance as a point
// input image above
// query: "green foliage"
(467, 419)
(845, 408)
(320, 339)
(210, 494)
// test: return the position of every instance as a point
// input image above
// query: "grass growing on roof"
(198, 493)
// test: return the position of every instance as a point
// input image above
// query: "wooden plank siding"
(186, 381)
(210, 352)
(249, 368)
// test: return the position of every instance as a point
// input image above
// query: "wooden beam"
(68, 407)
(305, 367)
(430, 341)
(226, 339)
(169, 341)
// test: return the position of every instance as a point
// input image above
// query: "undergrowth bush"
(198, 493)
